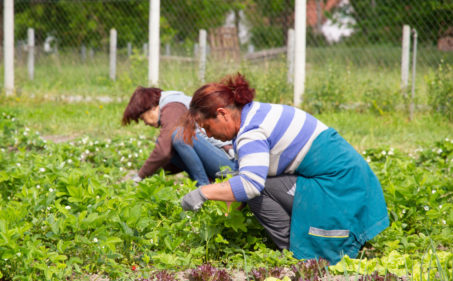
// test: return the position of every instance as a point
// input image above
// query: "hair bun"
(242, 92)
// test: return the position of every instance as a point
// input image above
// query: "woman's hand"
(193, 200)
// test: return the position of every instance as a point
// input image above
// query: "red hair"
(141, 101)
(231, 91)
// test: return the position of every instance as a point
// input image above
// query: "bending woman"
(312, 192)
(164, 109)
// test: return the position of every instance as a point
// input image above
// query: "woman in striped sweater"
(312, 192)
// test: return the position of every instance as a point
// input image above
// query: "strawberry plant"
(65, 213)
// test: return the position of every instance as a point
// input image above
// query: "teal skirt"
(338, 204)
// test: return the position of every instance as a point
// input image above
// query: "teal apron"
(338, 204)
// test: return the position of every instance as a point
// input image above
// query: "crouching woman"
(308, 187)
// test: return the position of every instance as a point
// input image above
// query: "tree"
(382, 21)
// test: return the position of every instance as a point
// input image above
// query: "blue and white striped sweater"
(273, 140)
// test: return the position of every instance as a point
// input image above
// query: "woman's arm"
(193, 200)
(219, 191)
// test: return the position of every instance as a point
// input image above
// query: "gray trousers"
(274, 206)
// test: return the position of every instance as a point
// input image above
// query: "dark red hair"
(142, 100)
(231, 91)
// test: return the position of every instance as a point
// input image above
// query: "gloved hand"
(193, 200)
(136, 178)
(132, 175)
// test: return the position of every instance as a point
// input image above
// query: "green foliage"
(418, 192)
(329, 96)
(383, 20)
(440, 89)
(381, 101)
(270, 21)
(64, 211)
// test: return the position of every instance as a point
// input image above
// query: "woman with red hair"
(311, 191)
(164, 109)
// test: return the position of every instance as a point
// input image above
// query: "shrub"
(440, 90)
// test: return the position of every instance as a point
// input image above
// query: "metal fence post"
(84, 53)
(405, 59)
(31, 53)
(112, 54)
(8, 41)
(299, 54)
(414, 62)
(154, 42)
(202, 55)
(129, 49)
(290, 55)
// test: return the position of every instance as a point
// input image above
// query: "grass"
(359, 68)
(362, 130)
(358, 77)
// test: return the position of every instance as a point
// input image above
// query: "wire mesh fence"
(346, 40)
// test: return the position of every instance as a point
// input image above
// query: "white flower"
(27, 129)
(404, 211)
(96, 142)
(97, 196)
(97, 149)
(42, 170)
(135, 155)
(439, 151)
(18, 254)
(38, 186)
(368, 159)
(391, 152)
(69, 160)
(106, 145)
(140, 151)
(440, 206)
(122, 159)
(51, 189)
(434, 191)
(447, 139)
(68, 207)
(426, 208)
(384, 152)
(129, 156)
(18, 164)
(87, 151)
(152, 241)
(364, 152)
(444, 221)
(95, 240)
(129, 164)
(25, 133)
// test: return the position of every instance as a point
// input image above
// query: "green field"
(65, 213)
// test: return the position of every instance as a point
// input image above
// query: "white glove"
(193, 200)
(136, 178)
(231, 153)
